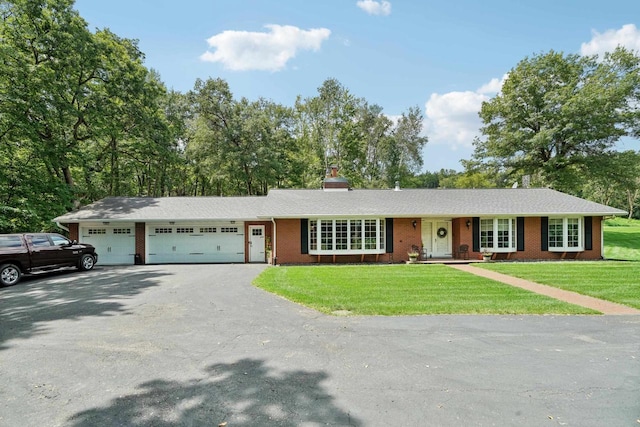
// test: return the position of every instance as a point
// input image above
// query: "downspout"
(62, 226)
(274, 252)
(601, 237)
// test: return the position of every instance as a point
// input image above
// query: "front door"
(256, 243)
(436, 238)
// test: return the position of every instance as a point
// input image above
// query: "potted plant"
(486, 255)
(413, 257)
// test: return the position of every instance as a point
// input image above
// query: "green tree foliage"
(237, 147)
(80, 116)
(557, 114)
(615, 181)
(368, 147)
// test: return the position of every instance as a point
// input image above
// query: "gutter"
(62, 226)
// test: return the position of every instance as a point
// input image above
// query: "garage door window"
(121, 231)
(207, 229)
(95, 231)
(184, 230)
(228, 229)
(164, 230)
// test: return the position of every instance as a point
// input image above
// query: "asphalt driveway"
(192, 345)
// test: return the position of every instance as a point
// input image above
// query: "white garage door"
(114, 244)
(202, 243)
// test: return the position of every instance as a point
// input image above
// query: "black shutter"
(588, 233)
(520, 233)
(304, 236)
(388, 231)
(476, 234)
(544, 233)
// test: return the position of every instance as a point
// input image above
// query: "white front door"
(256, 243)
(436, 238)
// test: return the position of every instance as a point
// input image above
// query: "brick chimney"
(333, 182)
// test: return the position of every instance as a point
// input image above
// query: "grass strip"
(608, 280)
(404, 290)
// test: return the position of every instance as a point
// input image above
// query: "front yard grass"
(404, 290)
(622, 239)
(612, 281)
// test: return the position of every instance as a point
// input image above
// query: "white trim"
(513, 234)
(565, 235)
(348, 251)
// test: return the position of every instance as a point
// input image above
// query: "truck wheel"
(9, 274)
(86, 262)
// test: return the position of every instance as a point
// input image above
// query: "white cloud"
(627, 36)
(245, 50)
(452, 118)
(494, 86)
(374, 7)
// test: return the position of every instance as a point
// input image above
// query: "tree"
(556, 113)
(616, 180)
(238, 147)
(80, 115)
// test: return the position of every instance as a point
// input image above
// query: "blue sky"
(445, 57)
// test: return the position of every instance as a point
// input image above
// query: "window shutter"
(476, 234)
(544, 233)
(388, 231)
(520, 233)
(588, 233)
(304, 236)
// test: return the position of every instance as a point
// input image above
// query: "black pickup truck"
(24, 253)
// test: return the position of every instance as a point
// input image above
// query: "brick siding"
(140, 230)
(405, 236)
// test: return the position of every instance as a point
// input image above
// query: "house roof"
(423, 202)
(354, 203)
(165, 209)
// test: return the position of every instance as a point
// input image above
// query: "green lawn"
(403, 290)
(613, 281)
(622, 239)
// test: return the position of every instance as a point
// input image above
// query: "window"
(94, 231)
(313, 236)
(207, 229)
(40, 241)
(121, 231)
(565, 234)
(356, 235)
(10, 242)
(342, 236)
(228, 229)
(184, 230)
(59, 240)
(498, 234)
(486, 233)
(370, 230)
(326, 235)
(161, 230)
(346, 236)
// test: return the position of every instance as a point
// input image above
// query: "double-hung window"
(565, 234)
(346, 236)
(498, 234)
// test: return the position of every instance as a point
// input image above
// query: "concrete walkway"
(605, 307)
